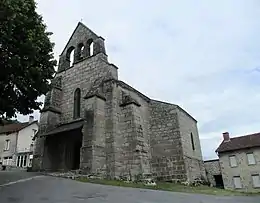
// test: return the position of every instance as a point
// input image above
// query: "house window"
(237, 182)
(251, 159)
(18, 161)
(233, 161)
(25, 161)
(7, 161)
(7, 145)
(77, 103)
(21, 162)
(256, 180)
(30, 160)
(10, 161)
(192, 141)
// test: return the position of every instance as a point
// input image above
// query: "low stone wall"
(212, 168)
(12, 168)
(195, 169)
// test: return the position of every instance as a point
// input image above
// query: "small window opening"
(80, 51)
(251, 159)
(232, 161)
(77, 103)
(7, 145)
(91, 49)
(72, 58)
(237, 182)
(192, 141)
(90, 46)
(70, 55)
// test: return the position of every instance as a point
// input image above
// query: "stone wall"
(83, 75)
(94, 155)
(12, 147)
(111, 126)
(212, 168)
(243, 169)
(192, 154)
(167, 155)
(126, 130)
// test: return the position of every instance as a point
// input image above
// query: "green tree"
(26, 57)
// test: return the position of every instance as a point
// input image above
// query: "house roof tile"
(14, 127)
(242, 142)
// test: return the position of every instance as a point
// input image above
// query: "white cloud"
(198, 54)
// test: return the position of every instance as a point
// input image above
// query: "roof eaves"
(211, 160)
(36, 121)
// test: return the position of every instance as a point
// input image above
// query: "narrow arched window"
(192, 141)
(70, 55)
(90, 47)
(80, 51)
(77, 103)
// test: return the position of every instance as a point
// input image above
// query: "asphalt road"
(11, 176)
(45, 189)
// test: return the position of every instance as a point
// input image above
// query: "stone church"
(95, 123)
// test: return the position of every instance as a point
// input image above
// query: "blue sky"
(201, 55)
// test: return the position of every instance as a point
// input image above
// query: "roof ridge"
(246, 135)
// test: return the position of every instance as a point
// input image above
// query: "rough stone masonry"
(117, 130)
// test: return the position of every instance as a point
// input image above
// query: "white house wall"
(12, 147)
(25, 137)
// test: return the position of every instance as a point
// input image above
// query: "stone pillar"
(137, 154)
(86, 151)
(133, 142)
(49, 119)
(64, 63)
(142, 149)
(111, 129)
(99, 46)
(93, 157)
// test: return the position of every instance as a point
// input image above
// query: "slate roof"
(65, 127)
(243, 142)
(14, 127)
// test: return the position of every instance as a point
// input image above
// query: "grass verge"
(170, 187)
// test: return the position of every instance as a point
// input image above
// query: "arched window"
(76, 103)
(91, 49)
(70, 55)
(90, 46)
(81, 51)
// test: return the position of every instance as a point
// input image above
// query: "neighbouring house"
(239, 159)
(213, 172)
(16, 144)
(94, 122)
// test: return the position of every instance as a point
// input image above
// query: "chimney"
(226, 137)
(31, 119)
